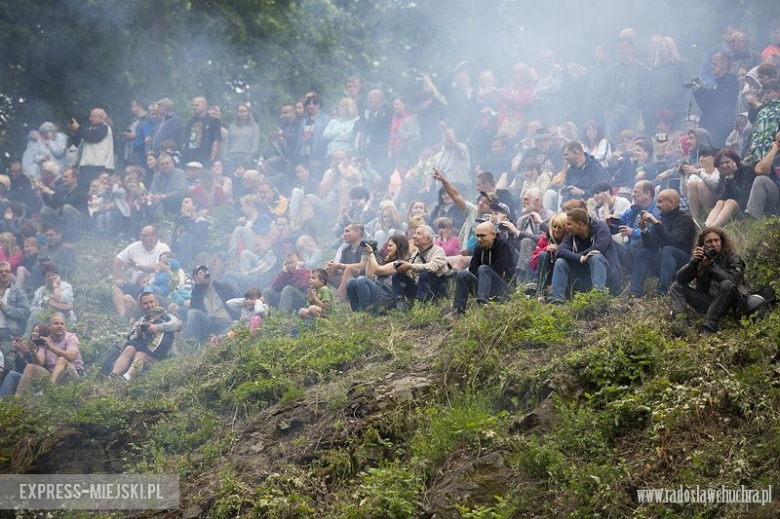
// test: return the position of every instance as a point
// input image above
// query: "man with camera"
(719, 103)
(424, 276)
(719, 274)
(490, 273)
(665, 244)
(524, 235)
(209, 313)
(582, 171)
(56, 355)
(149, 340)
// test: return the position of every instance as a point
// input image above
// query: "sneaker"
(553, 301)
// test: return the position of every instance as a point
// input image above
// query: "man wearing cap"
(549, 157)
(209, 314)
(486, 183)
(470, 211)
(169, 186)
(141, 257)
(97, 147)
(168, 126)
(525, 234)
(490, 273)
(202, 134)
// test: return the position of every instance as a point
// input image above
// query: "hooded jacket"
(676, 229)
(599, 238)
(499, 257)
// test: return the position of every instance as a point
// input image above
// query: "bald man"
(202, 135)
(97, 151)
(666, 244)
(491, 271)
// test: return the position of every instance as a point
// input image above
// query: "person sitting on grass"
(251, 309)
(491, 272)
(587, 258)
(320, 297)
(150, 340)
(57, 356)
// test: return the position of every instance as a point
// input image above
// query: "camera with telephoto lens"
(687, 85)
(710, 253)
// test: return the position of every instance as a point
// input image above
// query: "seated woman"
(595, 143)
(447, 239)
(702, 189)
(366, 293)
(387, 224)
(209, 194)
(736, 180)
(249, 225)
(309, 251)
(9, 251)
(221, 180)
(543, 257)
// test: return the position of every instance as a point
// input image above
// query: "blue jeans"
(581, 277)
(10, 382)
(544, 268)
(487, 282)
(664, 265)
(362, 294)
(428, 286)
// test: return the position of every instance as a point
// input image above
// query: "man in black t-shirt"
(202, 135)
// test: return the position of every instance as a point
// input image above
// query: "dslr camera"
(710, 253)
(371, 243)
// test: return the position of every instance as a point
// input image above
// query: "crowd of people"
(563, 179)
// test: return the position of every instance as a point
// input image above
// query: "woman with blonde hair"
(387, 224)
(447, 238)
(544, 255)
(9, 251)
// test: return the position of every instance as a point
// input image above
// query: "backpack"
(757, 304)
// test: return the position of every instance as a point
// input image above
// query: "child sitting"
(166, 279)
(320, 297)
(252, 309)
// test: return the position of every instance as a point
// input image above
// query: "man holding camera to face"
(719, 274)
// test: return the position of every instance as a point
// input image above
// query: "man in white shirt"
(141, 258)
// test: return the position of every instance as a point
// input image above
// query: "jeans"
(714, 306)
(665, 265)
(487, 282)
(200, 326)
(428, 286)
(362, 294)
(544, 268)
(581, 277)
(10, 382)
(289, 300)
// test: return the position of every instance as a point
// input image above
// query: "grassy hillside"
(516, 410)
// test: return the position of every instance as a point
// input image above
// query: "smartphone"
(614, 220)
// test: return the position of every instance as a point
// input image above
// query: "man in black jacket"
(208, 313)
(491, 271)
(665, 244)
(719, 273)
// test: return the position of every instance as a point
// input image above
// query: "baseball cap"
(500, 207)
